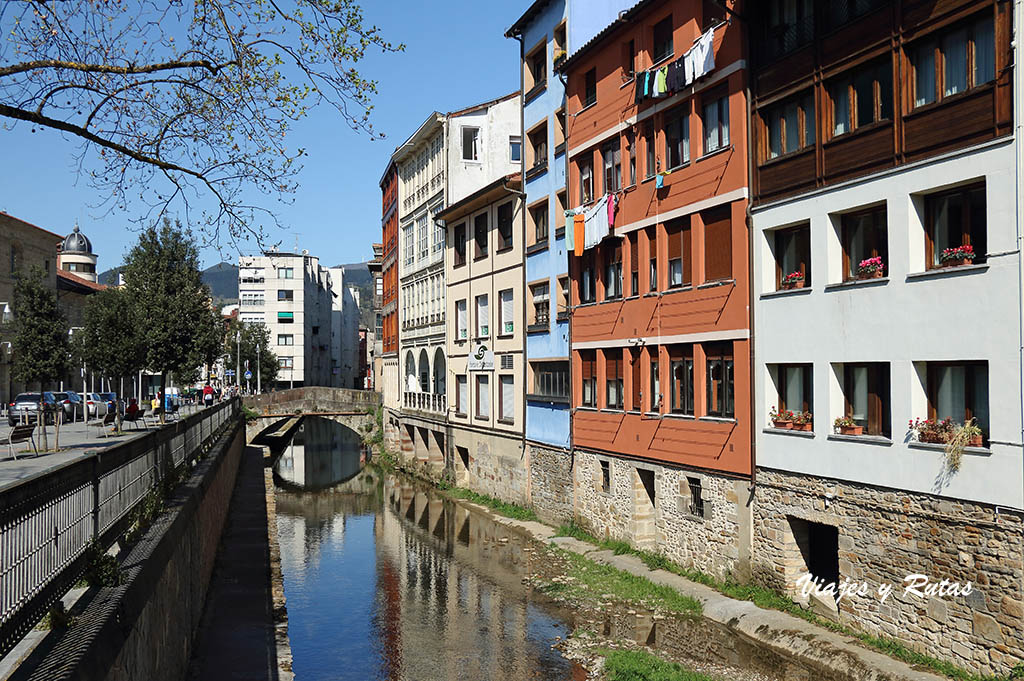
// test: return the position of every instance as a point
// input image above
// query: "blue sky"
(456, 55)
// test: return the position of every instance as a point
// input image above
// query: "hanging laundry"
(676, 79)
(688, 67)
(638, 96)
(595, 223)
(703, 54)
(647, 84)
(661, 85)
(613, 205)
(577, 234)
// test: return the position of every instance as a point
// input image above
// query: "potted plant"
(871, 268)
(793, 280)
(781, 418)
(803, 420)
(934, 431)
(847, 426)
(954, 257)
(967, 435)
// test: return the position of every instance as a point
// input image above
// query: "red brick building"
(389, 277)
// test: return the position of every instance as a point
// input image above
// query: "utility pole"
(259, 386)
(238, 359)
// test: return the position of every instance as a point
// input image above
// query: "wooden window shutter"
(634, 253)
(635, 367)
(675, 233)
(717, 243)
(588, 367)
(687, 249)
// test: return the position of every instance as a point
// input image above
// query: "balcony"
(252, 303)
(431, 402)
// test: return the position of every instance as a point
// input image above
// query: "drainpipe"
(750, 258)
(568, 334)
(1018, 115)
(522, 194)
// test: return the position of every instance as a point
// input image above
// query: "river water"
(385, 580)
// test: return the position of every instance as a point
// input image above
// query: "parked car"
(71, 402)
(112, 402)
(96, 405)
(25, 407)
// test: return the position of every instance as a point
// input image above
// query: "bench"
(153, 417)
(108, 420)
(134, 418)
(24, 432)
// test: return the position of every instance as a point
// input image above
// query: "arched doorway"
(411, 384)
(439, 372)
(424, 371)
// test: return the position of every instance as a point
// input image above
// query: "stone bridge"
(349, 407)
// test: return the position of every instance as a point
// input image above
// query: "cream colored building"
(486, 331)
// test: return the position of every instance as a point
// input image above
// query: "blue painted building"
(542, 33)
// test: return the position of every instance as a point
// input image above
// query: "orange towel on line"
(577, 234)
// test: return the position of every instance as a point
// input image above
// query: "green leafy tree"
(167, 297)
(255, 343)
(40, 336)
(179, 101)
(110, 339)
(208, 345)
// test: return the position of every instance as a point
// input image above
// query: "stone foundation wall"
(497, 464)
(551, 483)
(714, 539)
(885, 535)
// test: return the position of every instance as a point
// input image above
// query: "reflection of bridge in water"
(322, 453)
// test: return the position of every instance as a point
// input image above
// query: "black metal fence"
(47, 521)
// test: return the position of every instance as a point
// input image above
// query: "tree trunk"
(162, 396)
(41, 419)
(117, 409)
(58, 417)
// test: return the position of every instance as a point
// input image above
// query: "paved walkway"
(236, 638)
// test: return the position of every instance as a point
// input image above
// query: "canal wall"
(313, 399)
(144, 628)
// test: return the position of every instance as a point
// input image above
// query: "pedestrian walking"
(208, 395)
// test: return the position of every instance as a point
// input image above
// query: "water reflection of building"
(321, 454)
(450, 590)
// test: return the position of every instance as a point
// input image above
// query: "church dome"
(76, 242)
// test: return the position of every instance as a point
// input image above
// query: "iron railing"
(47, 521)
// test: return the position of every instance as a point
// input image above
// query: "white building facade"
(291, 294)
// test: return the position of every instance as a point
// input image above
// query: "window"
(538, 151)
(480, 235)
(662, 40)
(720, 380)
(588, 359)
(408, 245)
(483, 396)
(461, 325)
(796, 387)
(537, 68)
(460, 245)
(611, 156)
(76, 267)
(461, 395)
(965, 58)
(551, 380)
(953, 219)
(655, 398)
(470, 144)
(789, 126)
(634, 264)
(482, 328)
(285, 317)
(613, 378)
(681, 367)
(285, 339)
(679, 260)
(631, 147)
(635, 382)
(864, 236)
(716, 123)
(563, 298)
(677, 137)
(439, 229)
(652, 250)
(285, 362)
(840, 13)
(792, 254)
(606, 474)
(588, 289)
(586, 181)
(421, 236)
(628, 60)
(541, 304)
(515, 149)
(590, 88)
(696, 497)
(613, 270)
(505, 226)
(507, 312)
(506, 399)
(863, 98)
(959, 391)
(253, 299)
(650, 160)
(717, 243)
(285, 273)
(790, 25)
(866, 394)
(539, 217)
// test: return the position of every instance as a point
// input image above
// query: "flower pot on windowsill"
(958, 262)
(805, 427)
(783, 425)
(877, 274)
(976, 441)
(851, 430)
(793, 284)
(932, 438)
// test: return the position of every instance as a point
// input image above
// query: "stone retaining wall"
(551, 486)
(143, 629)
(497, 466)
(885, 535)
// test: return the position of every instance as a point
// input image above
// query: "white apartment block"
(344, 332)
(292, 294)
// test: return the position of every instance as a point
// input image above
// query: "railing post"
(96, 496)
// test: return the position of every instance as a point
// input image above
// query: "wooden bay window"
(954, 219)
(721, 399)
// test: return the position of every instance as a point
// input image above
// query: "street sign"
(248, 375)
(229, 372)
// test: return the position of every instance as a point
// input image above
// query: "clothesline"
(697, 62)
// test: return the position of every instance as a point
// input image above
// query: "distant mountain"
(222, 279)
